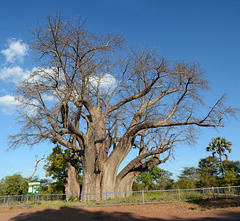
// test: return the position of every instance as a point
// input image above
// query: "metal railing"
(119, 198)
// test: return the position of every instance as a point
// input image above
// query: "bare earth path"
(199, 211)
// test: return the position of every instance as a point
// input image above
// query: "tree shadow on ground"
(69, 213)
(78, 214)
(208, 204)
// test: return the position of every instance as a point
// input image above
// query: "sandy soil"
(204, 210)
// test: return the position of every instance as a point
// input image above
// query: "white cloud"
(16, 51)
(107, 82)
(8, 104)
(13, 74)
(16, 74)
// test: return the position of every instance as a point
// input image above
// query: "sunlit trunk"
(124, 186)
(72, 186)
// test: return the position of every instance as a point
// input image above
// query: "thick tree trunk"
(72, 186)
(91, 187)
(124, 186)
(110, 168)
(108, 178)
(91, 178)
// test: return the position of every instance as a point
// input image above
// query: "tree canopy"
(13, 185)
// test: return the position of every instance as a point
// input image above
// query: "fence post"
(8, 201)
(179, 196)
(229, 190)
(35, 200)
(106, 198)
(213, 193)
(143, 196)
(67, 198)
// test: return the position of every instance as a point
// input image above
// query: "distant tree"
(164, 181)
(209, 165)
(184, 183)
(220, 145)
(190, 173)
(45, 185)
(232, 173)
(155, 178)
(13, 185)
(208, 169)
(187, 179)
(235, 165)
(148, 178)
(57, 167)
(231, 178)
(137, 186)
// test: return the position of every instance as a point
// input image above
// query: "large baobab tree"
(100, 99)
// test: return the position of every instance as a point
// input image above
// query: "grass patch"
(135, 197)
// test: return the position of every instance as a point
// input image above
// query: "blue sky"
(204, 30)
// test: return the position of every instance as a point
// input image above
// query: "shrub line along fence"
(119, 198)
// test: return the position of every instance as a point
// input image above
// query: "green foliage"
(209, 165)
(56, 167)
(45, 184)
(190, 173)
(187, 179)
(155, 178)
(148, 178)
(211, 171)
(235, 165)
(208, 174)
(137, 186)
(13, 185)
(207, 180)
(164, 181)
(231, 178)
(185, 183)
(208, 169)
(55, 188)
(219, 145)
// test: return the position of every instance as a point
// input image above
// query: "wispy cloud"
(16, 50)
(8, 104)
(13, 74)
(14, 53)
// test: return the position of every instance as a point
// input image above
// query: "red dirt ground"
(203, 210)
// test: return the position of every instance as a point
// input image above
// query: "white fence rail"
(119, 198)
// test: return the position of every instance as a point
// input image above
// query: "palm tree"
(219, 145)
